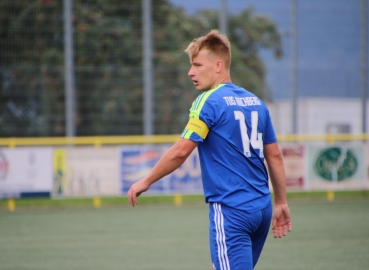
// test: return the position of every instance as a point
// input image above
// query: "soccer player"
(233, 131)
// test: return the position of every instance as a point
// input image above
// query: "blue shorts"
(237, 237)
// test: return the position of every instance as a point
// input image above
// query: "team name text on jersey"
(242, 101)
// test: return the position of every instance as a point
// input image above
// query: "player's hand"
(281, 222)
(135, 191)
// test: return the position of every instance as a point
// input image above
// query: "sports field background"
(159, 235)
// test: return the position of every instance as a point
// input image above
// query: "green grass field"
(326, 235)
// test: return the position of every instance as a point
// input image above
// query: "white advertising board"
(85, 172)
(336, 167)
(25, 170)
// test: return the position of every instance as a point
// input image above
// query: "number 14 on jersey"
(256, 139)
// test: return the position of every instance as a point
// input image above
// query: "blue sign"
(137, 161)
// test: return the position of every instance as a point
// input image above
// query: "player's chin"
(197, 86)
(200, 88)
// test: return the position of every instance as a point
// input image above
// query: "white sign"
(336, 167)
(85, 172)
(25, 170)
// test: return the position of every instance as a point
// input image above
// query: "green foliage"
(248, 33)
(108, 64)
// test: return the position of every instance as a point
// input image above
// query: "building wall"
(318, 116)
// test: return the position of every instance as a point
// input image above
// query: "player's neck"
(222, 79)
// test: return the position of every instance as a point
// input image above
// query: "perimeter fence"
(107, 166)
(108, 52)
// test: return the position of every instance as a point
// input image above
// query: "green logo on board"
(336, 164)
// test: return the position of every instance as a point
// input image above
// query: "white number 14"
(256, 139)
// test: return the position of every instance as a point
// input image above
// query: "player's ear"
(219, 65)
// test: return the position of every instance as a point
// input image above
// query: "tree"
(247, 32)
(108, 64)
(31, 68)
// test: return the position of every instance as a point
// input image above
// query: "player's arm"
(170, 161)
(274, 161)
(281, 222)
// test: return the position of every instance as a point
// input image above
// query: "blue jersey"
(232, 153)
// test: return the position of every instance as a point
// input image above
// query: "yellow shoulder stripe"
(197, 126)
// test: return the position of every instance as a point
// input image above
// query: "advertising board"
(294, 165)
(336, 167)
(136, 161)
(25, 171)
(85, 172)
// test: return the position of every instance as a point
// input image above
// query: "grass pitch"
(326, 235)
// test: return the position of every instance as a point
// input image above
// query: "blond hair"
(215, 42)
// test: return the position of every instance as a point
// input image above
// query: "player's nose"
(190, 72)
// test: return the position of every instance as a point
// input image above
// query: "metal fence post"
(147, 68)
(223, 17)
(294, 64)
(364, 61)
(69, 69)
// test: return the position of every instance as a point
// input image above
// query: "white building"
(318, 116)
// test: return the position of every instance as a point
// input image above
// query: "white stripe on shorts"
(220, 237)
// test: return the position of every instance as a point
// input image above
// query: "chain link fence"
(108, 61)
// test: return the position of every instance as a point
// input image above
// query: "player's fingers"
(131, 197)
(285, 228)
(280, 231)
(274, 232)
(128, 194)
(274, 227)
(135, 202)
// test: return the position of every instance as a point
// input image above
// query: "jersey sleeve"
(201, 115)
(269, 134)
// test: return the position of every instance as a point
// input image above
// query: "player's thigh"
(260, 235)
(230, 240)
